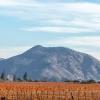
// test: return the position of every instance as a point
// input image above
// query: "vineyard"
(48, 91)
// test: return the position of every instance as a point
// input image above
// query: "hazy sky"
(69, 23)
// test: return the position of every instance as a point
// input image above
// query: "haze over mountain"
(52, 64)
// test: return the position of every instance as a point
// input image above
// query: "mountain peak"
(38, 46)
(34, 49)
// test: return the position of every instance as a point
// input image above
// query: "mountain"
(52, 64)
(1, 58)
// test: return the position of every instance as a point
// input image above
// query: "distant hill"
(1, 58)
(52, 64)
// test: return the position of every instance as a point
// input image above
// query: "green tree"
(14, 77)
(2, 76)
(25, 77)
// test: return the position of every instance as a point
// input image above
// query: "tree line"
(25, 77)
(12, 77)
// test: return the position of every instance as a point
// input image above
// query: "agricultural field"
(48, 91)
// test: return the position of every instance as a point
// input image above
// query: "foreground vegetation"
(48, 91)
(14, 88)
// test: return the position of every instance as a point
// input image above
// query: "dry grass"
(49, 91)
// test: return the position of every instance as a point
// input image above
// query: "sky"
(73, 24)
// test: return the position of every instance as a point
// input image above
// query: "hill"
(52, 64)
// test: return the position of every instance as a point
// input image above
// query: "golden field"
(48, 91)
